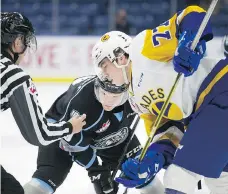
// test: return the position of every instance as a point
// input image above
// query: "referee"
(19, 93)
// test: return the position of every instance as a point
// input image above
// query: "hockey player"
(105, 134)
(19, 93)
(147, 66)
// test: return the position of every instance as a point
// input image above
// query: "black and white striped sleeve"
(20, 93)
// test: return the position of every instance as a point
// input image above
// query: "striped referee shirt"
(19, 94)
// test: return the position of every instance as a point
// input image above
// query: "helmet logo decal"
(105, 38)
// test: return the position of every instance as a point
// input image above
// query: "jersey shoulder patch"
(32, 88)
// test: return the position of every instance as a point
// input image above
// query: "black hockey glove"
(101, 178)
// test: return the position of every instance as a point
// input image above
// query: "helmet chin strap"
(123, 68)
(125, 75)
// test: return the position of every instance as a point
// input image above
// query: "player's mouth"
(108, 107)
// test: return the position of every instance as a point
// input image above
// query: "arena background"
(67, 29)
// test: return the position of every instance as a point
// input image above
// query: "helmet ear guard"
(119, 53)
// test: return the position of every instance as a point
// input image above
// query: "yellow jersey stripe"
(209, 87)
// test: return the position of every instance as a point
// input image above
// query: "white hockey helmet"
(110, 46)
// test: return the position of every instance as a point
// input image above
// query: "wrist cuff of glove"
(166, 148)
(146, 183)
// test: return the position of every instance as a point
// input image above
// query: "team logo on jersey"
(32, 89)
(105, 38)
(74, 113)
(112, 140)
(104, 127)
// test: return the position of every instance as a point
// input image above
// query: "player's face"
(20, 48)
(23, 44)
(110, 71)
(18, 45)
(109, 100)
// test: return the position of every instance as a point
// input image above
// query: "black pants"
(54, 164)
(9, 185)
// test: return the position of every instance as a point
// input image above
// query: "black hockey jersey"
(103, 129)
(20, 95)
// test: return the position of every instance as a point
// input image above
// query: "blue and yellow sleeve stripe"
(161, 42)
(190, 19)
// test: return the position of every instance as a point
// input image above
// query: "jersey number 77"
(157, 34)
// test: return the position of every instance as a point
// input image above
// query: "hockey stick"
(133, 129)
(193, 46)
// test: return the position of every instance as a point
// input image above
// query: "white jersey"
(153, 74)
(152, 81)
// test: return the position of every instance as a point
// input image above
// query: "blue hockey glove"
(185, 60)
(139, 173)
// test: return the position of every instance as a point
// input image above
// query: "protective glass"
(109, 94)
(31, 43)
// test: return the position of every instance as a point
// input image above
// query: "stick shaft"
(159, 117)
(204, 24)
(133, 129)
